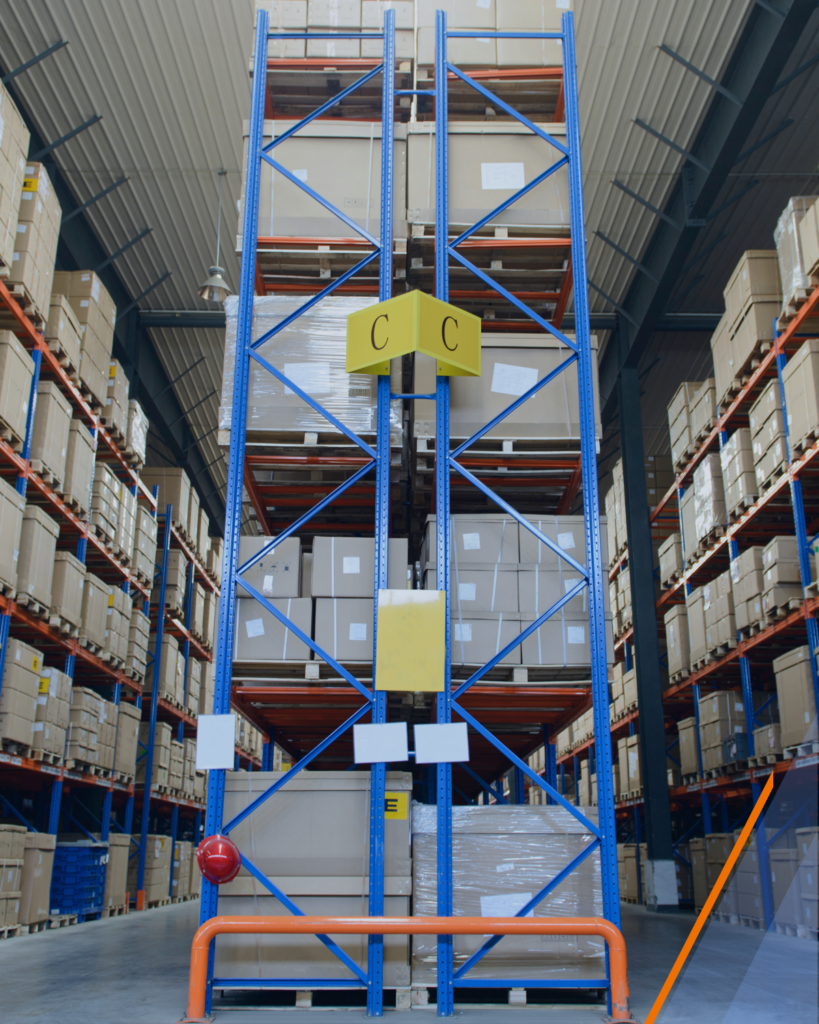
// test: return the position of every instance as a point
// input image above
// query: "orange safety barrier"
(234, 925)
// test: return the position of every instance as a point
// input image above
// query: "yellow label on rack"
(414, 322)
(396, 806)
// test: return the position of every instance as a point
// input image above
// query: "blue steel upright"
(602, 834)
(375, 703)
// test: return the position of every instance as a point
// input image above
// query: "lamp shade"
(216, 288)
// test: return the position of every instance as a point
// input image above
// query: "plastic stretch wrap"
(788, 246)
(137, 429)
(310, 352)
(501, 858)
(709, 496)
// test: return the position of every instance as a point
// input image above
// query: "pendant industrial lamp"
(216, 288)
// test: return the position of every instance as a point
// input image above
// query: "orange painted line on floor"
(709, 903)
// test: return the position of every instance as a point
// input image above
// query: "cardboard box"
(545, 16)
(677, 639)
(12, 506)
(38, 543)
(345, 566)
(174, 489)
(511, 364)
(67, 588)
(278, 573)
(49, 438)
(785, 885)
(671, 558)
(687, 747)
(487, 590)
(260, 636)
(62, 330)
(94, 609)
(35, 881)
(755, 279)
(797, 704)
(343, 628)
(477, 638)
(16, 374)
(480, 541)
(79, 465)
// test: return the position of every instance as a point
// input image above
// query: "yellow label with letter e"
(396, 806)
(415, 322)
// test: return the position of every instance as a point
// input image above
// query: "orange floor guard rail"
(234, 925)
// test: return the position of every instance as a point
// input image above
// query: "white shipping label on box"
(508, 379)
(312, 378)
(471, 541)
(351, 564)
(267, 586)
(466, 591)
(374, 744)
(505, 904)
(462, 632)
(215, 741)
(566, 541)
(502, 176)
(501, 868)
(254, 627)
(441, 744)
(358, 631)
(576, 634)
(301, 174)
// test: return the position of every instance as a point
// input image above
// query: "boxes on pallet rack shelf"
(671, 559)
(738, 472)
(171, 670)
(66, 592)
(793, 272)
(13, 150)
(174, 489)
(94, 612)
(703, 409)
(800, 378)
(210, 613)
(188, 765)
(49, 438)
(157, 879)
(679, 421)
(35, 245)
(180, 881)
(118, 620)
(35, 878)
(144, 546)
(781, 576)
(125, 536)
(96, 312)
(139, 632)
(16, 374)
(79, 468)
(795, 694)
(192, 529)
(176, 583)
(207, 689)
(687, 746)
(175, 766)
(115, 413)
(193, 686)
(214, 558)
(18, 696)
(51, 721)
(261, 637)
(105, 504)
(293, 855)
(677, 641)
(278, 574)
(722, 716)
(344, 567)
(62, 333)
(107, 734)
(162, 754)
(511, 364)
(127, 741)
(136, 440)
(709, 500)
(12, 506)
(85, 722)
(35, 566)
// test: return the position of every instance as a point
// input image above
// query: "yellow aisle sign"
(414, 322)
(396, 806)
(410, 651)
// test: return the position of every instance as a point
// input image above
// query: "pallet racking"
(312, 721)
(783, 506)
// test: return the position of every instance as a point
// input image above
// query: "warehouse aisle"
(70, 975)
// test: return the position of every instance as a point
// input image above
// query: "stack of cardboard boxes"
(94, 612)
(35, 566)
(115, 413)
(739, 472)
(722, 726)
(62, 333)
(157, 880)
(85, 723)
(12, 506)
(35, 245)
(139, 638)
(144, 552)
(53, 704)
(162, 754)
(116, 873)
(171, 670)
(118, 619)
(176, 766)
(105, 503)
(125, 754)
(767, 427)
(680, 424)
(181, 880)
(12, 856)
(49, 438)
(79, 467)
(781, 575)
(136, 440)
(18, 697)
(35, 877)
(795, 694)
(67, 585)
(13, 151)
(16, 373)
(96, 313)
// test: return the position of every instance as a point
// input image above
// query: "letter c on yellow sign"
(381, 316)
(450, 348)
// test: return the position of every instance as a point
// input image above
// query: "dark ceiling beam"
(764, 46)
(193, 318)
(702, 322)
(78, 248)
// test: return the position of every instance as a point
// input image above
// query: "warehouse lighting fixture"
(216, 288)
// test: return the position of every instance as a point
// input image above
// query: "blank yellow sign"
(414, 322)
(411, 646)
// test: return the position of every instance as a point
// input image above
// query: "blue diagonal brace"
(331, 287)
(285, 900)
(536, 129)
(561, 876)
(325, 743)
(496, 793)
(516, 761)
(319, 199)
(520, 519)
(545, 324)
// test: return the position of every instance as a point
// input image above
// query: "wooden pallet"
(17, 749)
(800, 750)
(779, 470)
(803, 931)
(46, 475)
(62, 920)
(152, 904)
(123, 777)
(113, 430)
(765, 759)
(114, 911)
(25, 300)
(87, 768)
(745, 502)
(782, 611)
(90, 400)
(7, 590)
(47, 757)
(75, 505)
(33, 607)
(785, 929)
(61, 625)
(751, 922)
(678, 677)
(89, 645)
(726, 918)
(11, 931)
(36, 928)
(690, 780)
(722, 649)
(65, 359)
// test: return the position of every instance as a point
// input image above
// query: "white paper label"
(312, 378)
(483, 4)
(471, 541)
(502, 176)
(576, 634)
(301, 174)
(254, 627)
(500, 868)
(462, 632)
(267, 585)
(508, 379)
(563, 5)
(466, 591)
(358, 630)
(570, 584)
(566, 541)
(505, 904)
(351, 564)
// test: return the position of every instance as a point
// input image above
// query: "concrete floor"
(74, 976)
